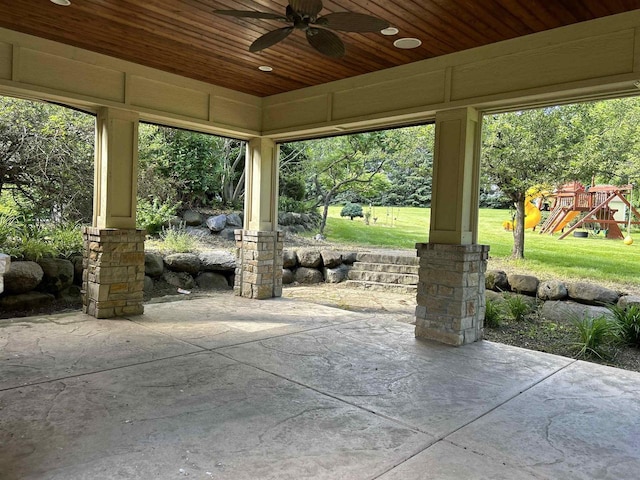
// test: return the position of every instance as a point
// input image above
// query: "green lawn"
(592, 259)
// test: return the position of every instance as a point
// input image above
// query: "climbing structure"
(572, 200)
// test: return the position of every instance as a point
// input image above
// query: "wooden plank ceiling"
(185, 36)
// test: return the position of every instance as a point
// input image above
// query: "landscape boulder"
(591, 294)
(524, 284)
(309, 258)
(330, 258)
(57, 275)
(26, 301)
(287, 276)
(308, 275)
(497, 281)
(78, 268)
(493, 296)
(234, 220)
(349, 257)
(289, 258)
(183, 262)
(217, 260)
(192, 218)
(179, 280)
(22, 277)
(566, 311)
(217, 223)
(335, 275)
(153, 264)
(212, 281)
(148, 284)
(627, 301)
(228, 234)
(198, 232)
(552, 290)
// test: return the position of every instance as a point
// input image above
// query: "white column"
(456, 173)
(116, 169)
(259, 245)
(261, 192)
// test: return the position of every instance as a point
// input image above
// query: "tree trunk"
(518, 229)
(325, 213)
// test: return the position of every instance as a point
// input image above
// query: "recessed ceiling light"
(265, 68)
(390, 31)
(407, 43)
(64, 3)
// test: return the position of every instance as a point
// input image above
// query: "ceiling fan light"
(407, 43)
(389, 31)
(64, 3)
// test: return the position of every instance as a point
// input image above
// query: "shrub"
(516, 307)
(351, 210)
(66, 239)
(176, 240)
(493, 314)
(153, 216)
(595, 335)
(628, 324)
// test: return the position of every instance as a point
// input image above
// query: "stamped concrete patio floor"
(229, 388)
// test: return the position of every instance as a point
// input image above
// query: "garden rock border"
(35, 283)
(561, 300)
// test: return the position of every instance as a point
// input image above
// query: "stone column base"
(259, 264)
(113, 278)
(451, 292)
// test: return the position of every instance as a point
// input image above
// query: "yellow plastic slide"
(567, 218)
(532, 217)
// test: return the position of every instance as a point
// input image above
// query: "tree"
(351, 210)
(347, 162)
(523, 149)
(409, 171)
(46, 160)
(192, 168)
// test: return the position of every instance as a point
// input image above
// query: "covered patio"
(229, 388)
(184, 64)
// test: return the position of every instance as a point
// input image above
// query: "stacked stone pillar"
(451, 292)
(259, 270)
(113, 278)
(451, 301)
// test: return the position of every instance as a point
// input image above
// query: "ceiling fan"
(303, 15)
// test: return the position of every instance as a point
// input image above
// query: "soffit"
(185, 37)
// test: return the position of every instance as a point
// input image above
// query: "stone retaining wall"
(561, 299)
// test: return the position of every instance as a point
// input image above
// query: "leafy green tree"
(192, 168)
(46, 160)
(409, 171)
(351, 210)
(353, 162)
(521, 150)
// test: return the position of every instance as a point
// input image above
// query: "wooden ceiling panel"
(186, 37)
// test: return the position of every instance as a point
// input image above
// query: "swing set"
(592, 206)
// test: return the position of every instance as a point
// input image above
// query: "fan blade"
(269, 39)
(251, 14)
(326, 42)
(352, 22)
(306, 8)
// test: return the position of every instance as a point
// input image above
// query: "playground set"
(591, 206)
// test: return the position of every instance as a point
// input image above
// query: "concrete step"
(383, 277)
(386, 267)
(384, 287)
(393, 258)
